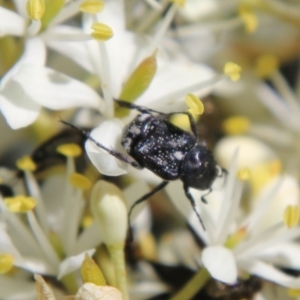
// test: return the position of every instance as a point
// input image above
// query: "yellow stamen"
(275, 167)
(235, 238)
(194, 103)
(6, 263)
(244, 174)
(182, 121)
(92, 6)
(26, 164)
(138, 82)
(69, 150)
(249, 18)
(90, 272)
(87, 221)
(233, 71)
(35, 9)
(80, 181)
(20, 204)
(179, 2)
(291, 216)
(295, 293)
(101, 32)
(53, 7)
(148, 246)
(236, 125)
(266, 65)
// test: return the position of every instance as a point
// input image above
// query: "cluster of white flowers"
(69, 59)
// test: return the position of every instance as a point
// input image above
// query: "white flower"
(262, 241)
(28, 85)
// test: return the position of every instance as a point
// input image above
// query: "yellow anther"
(182, 121)
(26, 164)
(20, 204)
(194, 103)
(179, 2)
(244, 174)
(6, 262)
(249, 18)
(291, 216)
(101, 32)
(35, 9)
(80, 181)
(266, 65)
(138, 82)
(147, 246)
(233, 71)
(69, 150)
(275, 167)
(87, 221)
(90, 272)
(92, 6)
(236, 125)
(234, 239)
(295, 293)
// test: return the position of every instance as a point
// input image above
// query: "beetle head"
(198, 168)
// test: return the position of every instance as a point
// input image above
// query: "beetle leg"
(144, 198)
(193, 203)
(116, 154)
(141, 109)
(203, 199)
(191, 119)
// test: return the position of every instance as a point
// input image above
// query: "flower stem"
(193, 286)
(116, 252)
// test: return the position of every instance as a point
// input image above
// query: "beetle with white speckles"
(171, 153)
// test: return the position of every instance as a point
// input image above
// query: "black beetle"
(168, 151)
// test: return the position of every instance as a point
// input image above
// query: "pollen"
(80, 181)
(244, 174)
(179, 2)
(101, 32)
(90, 272)
(92, 6)
(295, 293)
(275, 167)
(69, 150)
(87, 221)
(194, 103)
(291, 216)
(26, 164)
(234, 239)
(249, 18)
(35, 9)
(6, 263)
(266, 65)
(236, 125)
(233, 71)
(20, 204)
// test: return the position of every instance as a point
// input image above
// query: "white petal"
(287, 193)
(270, 273)
(89, 238)
(34, 265)
(109, 134)
(251, 151)
(173, 81)
(63, 39)
(18, 109)
(11, 23)
(6, 244)
(220, 263)
(72, 263)
(16, 289)
(283, 255)
(55, 90)
(34, 53)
